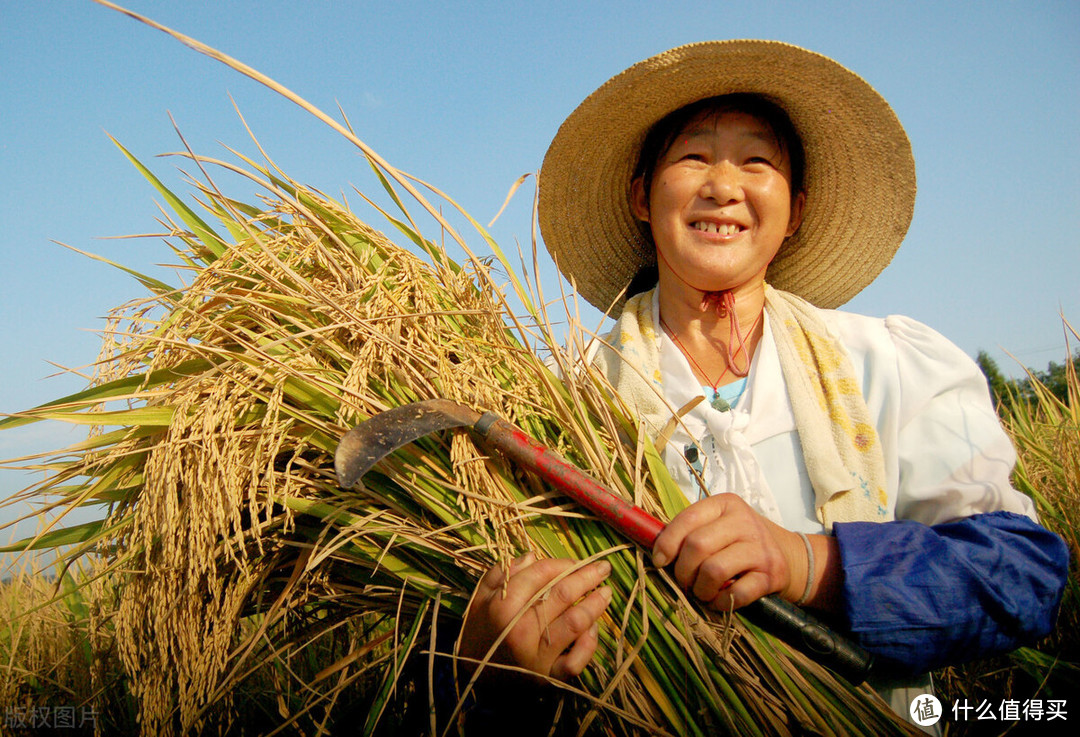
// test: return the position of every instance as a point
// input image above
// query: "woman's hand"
(728, 555)
(557, 635)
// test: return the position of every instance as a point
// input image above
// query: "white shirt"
(946, 455)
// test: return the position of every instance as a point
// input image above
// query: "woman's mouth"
(707, 226)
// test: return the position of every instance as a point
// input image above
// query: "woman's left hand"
(728, 555)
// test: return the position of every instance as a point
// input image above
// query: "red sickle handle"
(772, 613)
(632, 521)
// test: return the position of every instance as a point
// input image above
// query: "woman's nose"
(722, 183)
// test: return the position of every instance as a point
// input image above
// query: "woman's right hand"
(558, 635)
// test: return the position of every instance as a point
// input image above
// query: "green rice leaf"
(210, 240)
(143, 416)
(671, 496)
(119, 388)
(87, 531)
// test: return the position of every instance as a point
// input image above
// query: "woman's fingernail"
(594, 631)
(604, 567)
(605, 593)
(659, 559)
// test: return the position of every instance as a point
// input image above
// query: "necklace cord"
(729, 363)
(723, 302)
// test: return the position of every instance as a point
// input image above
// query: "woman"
(850, 464)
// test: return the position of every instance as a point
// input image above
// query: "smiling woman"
(847, 456)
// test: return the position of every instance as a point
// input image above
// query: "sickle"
(366, 444)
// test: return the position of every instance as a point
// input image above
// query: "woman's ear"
(639, 200)
(798, 204)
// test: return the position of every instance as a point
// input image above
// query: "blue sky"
(467, 96)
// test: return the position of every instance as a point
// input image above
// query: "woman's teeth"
(725, 229)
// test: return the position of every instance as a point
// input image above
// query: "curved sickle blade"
(374, 439)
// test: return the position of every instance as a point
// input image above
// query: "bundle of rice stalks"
(252, 588)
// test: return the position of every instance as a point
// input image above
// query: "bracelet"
(809, 569)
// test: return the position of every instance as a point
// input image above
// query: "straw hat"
(859, 179)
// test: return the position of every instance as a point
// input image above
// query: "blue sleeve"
(921, 597)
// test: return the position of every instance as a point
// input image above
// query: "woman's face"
(720, 204)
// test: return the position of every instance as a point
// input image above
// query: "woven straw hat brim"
(859, 177)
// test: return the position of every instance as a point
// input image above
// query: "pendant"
(720, 404)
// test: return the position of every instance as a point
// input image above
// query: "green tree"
(1007, 391)
(994, 378)
(1055, 378)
